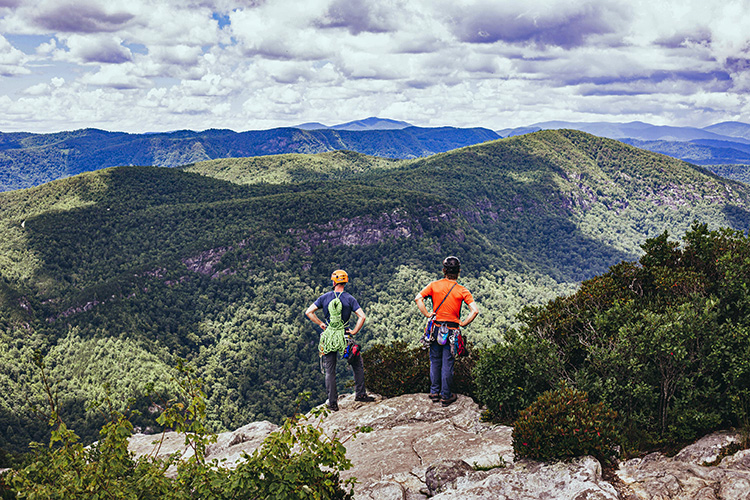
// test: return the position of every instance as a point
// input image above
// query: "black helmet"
(451, 265)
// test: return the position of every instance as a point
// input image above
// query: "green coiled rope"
(334, 336)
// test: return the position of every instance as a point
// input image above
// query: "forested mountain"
(113, 274)
(28, 160)
(721, 144)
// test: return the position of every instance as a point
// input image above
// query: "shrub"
(511, 375)
(397, 369)
(298, 461)
(562, 424)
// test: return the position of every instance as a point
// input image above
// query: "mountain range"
(116, 273)
(726, 143)
(371, 123)
(28, 160)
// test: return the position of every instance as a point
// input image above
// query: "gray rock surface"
(228, 447)
(409, 434)
(417, 449)
(578, 479)
(708, 449)
(685, 477)
(443, 473)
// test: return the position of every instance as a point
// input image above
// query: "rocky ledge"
(418, 450)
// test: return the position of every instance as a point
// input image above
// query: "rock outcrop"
(418, 450)
(697, 472)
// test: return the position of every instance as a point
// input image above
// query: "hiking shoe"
(447, 402)
(333, 407)
(435, 398)
(365, 399)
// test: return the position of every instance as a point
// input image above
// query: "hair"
(451, 267)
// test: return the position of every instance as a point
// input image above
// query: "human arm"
(420, 304)
(310, 313)
(474, 311)
(360, 321)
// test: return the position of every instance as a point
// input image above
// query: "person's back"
(447, 298)
(332, 339)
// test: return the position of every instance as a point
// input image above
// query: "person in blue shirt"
(349, 305)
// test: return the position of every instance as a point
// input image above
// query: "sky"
(160, 65)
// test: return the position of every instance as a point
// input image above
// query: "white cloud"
(12, 61)
(123, 76)
(105, 49)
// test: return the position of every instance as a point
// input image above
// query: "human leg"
(436, 364)
(329, 362)
(446, 373)
(359, 376)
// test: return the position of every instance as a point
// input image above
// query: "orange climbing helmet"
(339, 276)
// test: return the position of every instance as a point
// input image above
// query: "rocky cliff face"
(418, 450)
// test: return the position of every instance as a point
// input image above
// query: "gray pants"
(329, 363)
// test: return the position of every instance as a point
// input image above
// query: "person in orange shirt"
(449, 297)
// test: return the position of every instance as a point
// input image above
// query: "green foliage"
(398, 368)
(665, 343)
(115, 273)
(511, 374)
(30, 159)
(563, 424)
(296, 462)
(739, 173)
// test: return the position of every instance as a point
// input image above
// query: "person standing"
(338, 306)
(449, 297)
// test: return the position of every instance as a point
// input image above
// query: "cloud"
(123, 76)
(565, 24)
(96, 49)
(358, 16)
(147, 65)
(280, 30)
(12, 61)
(79, 17)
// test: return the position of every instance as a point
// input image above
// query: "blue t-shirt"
(349, 304)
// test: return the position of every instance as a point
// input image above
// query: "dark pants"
(441, 369)
(329, 363)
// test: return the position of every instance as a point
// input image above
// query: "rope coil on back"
(334, 336)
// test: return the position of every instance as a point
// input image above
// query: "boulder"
(409, 434)
(656, 477)
(443, 473)
(577, 479)
(228, 447)
(709, 449)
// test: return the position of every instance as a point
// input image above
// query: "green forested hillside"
(112, 274)
(28, 160)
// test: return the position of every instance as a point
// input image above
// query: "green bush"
(298, 461)
(562, 424)
(397, 369)
(509, 376)
(665, 342)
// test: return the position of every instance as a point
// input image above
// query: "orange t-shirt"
(451, 308)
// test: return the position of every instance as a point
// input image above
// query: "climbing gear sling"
(430, 328)
(333, 337)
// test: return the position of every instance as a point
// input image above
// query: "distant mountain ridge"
(371, 123)
(719, 144)
(28, 160)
